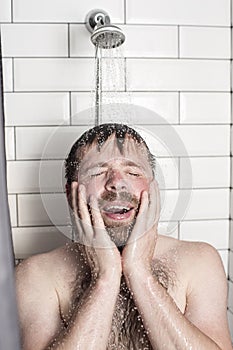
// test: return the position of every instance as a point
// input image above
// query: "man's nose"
(116, 181)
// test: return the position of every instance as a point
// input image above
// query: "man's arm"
(90, 324)
(204, 323)
(40, 323)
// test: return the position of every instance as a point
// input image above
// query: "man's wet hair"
(99, 135)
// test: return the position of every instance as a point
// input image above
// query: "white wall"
(178, 64)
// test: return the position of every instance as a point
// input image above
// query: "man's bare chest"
(127, 329)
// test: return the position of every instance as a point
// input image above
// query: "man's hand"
(103, 255)
(139, 250)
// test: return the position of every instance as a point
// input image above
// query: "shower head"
(104, 34)
(108, 36)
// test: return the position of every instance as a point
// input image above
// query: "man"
(120, 285)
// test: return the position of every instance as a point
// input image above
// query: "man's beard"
(119, 233)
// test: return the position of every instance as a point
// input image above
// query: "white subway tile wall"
(5, 13)
(204, 42)
(178, 76)
(64, 10)
(230, 321)
(205, 108)
(23, 109)
(199, 12)
(35, 40)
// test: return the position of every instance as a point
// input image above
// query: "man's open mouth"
(118, 211)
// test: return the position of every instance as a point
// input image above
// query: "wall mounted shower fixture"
(104, 34)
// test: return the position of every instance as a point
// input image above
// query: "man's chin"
(120, 234)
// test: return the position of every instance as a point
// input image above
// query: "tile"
(194, 205)
(208, 204)
(230, 322)
(231, 265)
(210, 108)
(175, 75)
(28, 241)
(36, 108)
(163, 104)
(206, 172)
(224, 257)
(215, 232)
(7, 74)
(53, 74)
(160, 41)
(150, 41)
(35, 176)
(164, 228)
(231, 228)
(179, 140)
(34, 40)
(231, 139)
(213, 12)
(211, 140)
(43, 210)
(64, 10)
(39, 143)
(13, 209)
(230, 292)
(10, 143)
(231, 213)
(167, 173)
(203, 42)
(152, 108)
(5, 14)
(80, 41)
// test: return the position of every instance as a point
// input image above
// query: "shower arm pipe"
(98, 87)
(9, 330)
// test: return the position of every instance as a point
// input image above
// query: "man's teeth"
(117, 209)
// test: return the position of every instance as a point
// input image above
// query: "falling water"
(111, 101)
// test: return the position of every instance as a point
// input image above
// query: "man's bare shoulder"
(190, 257)
(57, 263)
(186, 249)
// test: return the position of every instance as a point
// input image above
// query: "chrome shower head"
(104, 34)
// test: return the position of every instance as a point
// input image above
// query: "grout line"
(13, 74)
(231, 141)
(68, 38)
(126, 75)
(152, 24)
(158, 58)
(12, 11)
(17, 210)
(179, 97)
(14, 128)
(70, 107)
(178, 40)
(137, 124)
(162, 190)
(125, 11)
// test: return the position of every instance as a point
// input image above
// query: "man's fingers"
(143, 204)
(153, 209)
(74, 187)
(101, 238)
(82, 204)
(97, 219)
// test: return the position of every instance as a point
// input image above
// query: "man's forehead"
(110, 150)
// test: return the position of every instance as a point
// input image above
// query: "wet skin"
(112, 191)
